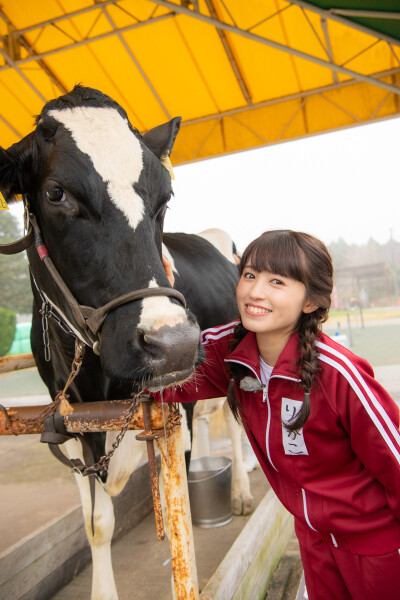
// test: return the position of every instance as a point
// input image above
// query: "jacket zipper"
(265, 398)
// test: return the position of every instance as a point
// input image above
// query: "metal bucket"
(210, 480)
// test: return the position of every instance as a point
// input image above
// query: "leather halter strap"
(19, 245)
(88, 318)
(95, 317)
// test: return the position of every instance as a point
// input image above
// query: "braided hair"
(304, 258)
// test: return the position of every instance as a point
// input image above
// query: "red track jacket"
(340, 475)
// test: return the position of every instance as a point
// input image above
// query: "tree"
(15, 289)
(7, 330)
(340, 252)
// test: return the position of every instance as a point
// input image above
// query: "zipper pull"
(264, 392)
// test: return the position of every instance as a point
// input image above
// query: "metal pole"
(179, 518)
(361, 315)
(349, 328)
(155, 490)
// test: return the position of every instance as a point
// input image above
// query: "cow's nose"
(171, 348)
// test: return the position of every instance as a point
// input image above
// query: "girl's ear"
(309, 307)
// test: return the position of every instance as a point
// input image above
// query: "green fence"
(22, 339)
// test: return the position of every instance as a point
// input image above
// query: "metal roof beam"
(253, 131)
(205, 140)
(23, 42)
(369, 14)
(292, 51)
(229, 52)
(85, 42)
(292, 118)
(281, 99)
(15, 132)
(329, 14)
(65, 17)
(136, 62)
(45, 68)
(328, 46)
(14, 66)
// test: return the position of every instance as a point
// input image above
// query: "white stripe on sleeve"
(365, 403)
(389, 423)
(215, 333)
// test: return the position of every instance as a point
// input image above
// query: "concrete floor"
(140, 560)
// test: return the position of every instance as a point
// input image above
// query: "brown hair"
(302, 257)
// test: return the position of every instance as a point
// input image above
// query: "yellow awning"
(242, 74)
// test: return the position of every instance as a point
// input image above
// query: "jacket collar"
(247, 354)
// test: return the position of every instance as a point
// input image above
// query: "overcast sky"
(340, 184)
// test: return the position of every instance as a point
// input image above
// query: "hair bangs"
(276, 252)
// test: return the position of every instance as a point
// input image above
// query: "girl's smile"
(254, 310)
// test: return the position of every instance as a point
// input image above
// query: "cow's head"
(99, 191)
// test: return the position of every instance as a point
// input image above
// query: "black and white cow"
(99, 192)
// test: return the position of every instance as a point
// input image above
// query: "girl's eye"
(277, 281)
(56, 195)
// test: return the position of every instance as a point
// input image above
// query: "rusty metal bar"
(155, 490)
(107, 415)
(15, 362)
(179, 518)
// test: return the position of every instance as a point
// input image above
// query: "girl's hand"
(168, 271)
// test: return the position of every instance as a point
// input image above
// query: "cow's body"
(99, 193)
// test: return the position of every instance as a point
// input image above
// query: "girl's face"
(270, 304)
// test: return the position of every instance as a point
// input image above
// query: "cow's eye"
(161, 212)
(55, 194)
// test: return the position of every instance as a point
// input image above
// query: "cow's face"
(100, 192)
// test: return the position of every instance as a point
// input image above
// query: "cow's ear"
(161, 139)
(15, 167)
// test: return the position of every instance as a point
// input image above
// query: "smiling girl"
(325, 432)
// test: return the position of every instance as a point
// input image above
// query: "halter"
(88, 318)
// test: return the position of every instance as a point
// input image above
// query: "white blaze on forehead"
(104, 135)
(159, 311)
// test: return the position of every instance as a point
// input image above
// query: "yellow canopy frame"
(242, 74)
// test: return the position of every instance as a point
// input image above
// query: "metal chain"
(62, 324)
(173, 420)
(49, 411)
(103, 463)
(45, 312)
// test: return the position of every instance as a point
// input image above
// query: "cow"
(96, 192)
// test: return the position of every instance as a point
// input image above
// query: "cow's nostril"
(151, 344)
